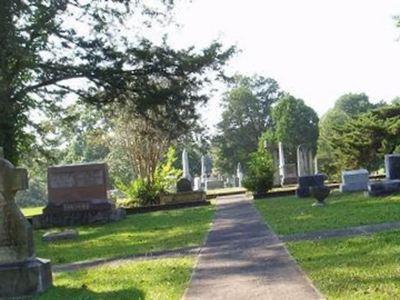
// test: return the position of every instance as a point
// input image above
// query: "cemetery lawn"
(153, 279)
(365, 267)
(32, 211)
(287, 215)
(140, 233)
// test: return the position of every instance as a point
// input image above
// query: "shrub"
(145, 192)
(260, 172)
(139, 193)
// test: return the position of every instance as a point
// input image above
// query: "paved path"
(243, 259)
(346, 232)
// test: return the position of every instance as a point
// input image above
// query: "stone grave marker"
(355, 180)
(21, 273)
(77, 195)
(392, 166)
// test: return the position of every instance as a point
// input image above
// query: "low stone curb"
(123, 259)
(347, 232)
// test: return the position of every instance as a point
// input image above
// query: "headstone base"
(383, 188)
(26, 278)
(78, 213)
(353, 187)
(183, 197)
(217, 184)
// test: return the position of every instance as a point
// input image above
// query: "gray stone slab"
(243, 259)
(69, 234)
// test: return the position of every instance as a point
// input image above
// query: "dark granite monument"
(21, 273)
(77, 195)
(392, 166)
(308, 181)
(392, 183)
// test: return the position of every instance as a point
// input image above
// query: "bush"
(35, 195)
(260, 172)
(139, 193)
(144, 192)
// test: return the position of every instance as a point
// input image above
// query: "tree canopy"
(346, 107)
(294, 123)
(363, 140)
(85, 48)
(246, 115)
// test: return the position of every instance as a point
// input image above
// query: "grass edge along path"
(363, 267)
(291, 215)
(165, 278)
(137, 234)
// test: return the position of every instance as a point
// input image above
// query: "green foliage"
(46, 45)
(36, 195)
(166, 174)
(346, 107)
(353, 104)
(294, 123)
(142, 192)
(362, 141)
(260, 171)
(246, 115)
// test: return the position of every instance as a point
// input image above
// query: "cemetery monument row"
(21, 273)
(77, 194)
(392, 182)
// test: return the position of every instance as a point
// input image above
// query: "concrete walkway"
(243, 259)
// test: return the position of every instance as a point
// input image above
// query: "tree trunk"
(8, 129)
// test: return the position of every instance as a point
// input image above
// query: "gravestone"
(77, 195)
(21, 273)
(184, 185)
(392, 183)
(197, 184)
(355, 180)
(304, 161)
(308, 181)
(287, 172)
(384, 187)
(239, 174)
(213, 184)
(185, 166)
(392, 166)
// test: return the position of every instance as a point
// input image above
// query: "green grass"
(353, 268)
(288, 215)
(155, 279)
(139, 233)
(31, 211)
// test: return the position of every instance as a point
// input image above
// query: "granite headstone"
(355, 180)
(77, 195)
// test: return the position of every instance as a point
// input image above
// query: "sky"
(317, 50)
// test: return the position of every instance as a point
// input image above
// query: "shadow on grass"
(84, 293)
(350, 267)
(292, 215)
(136, 234)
